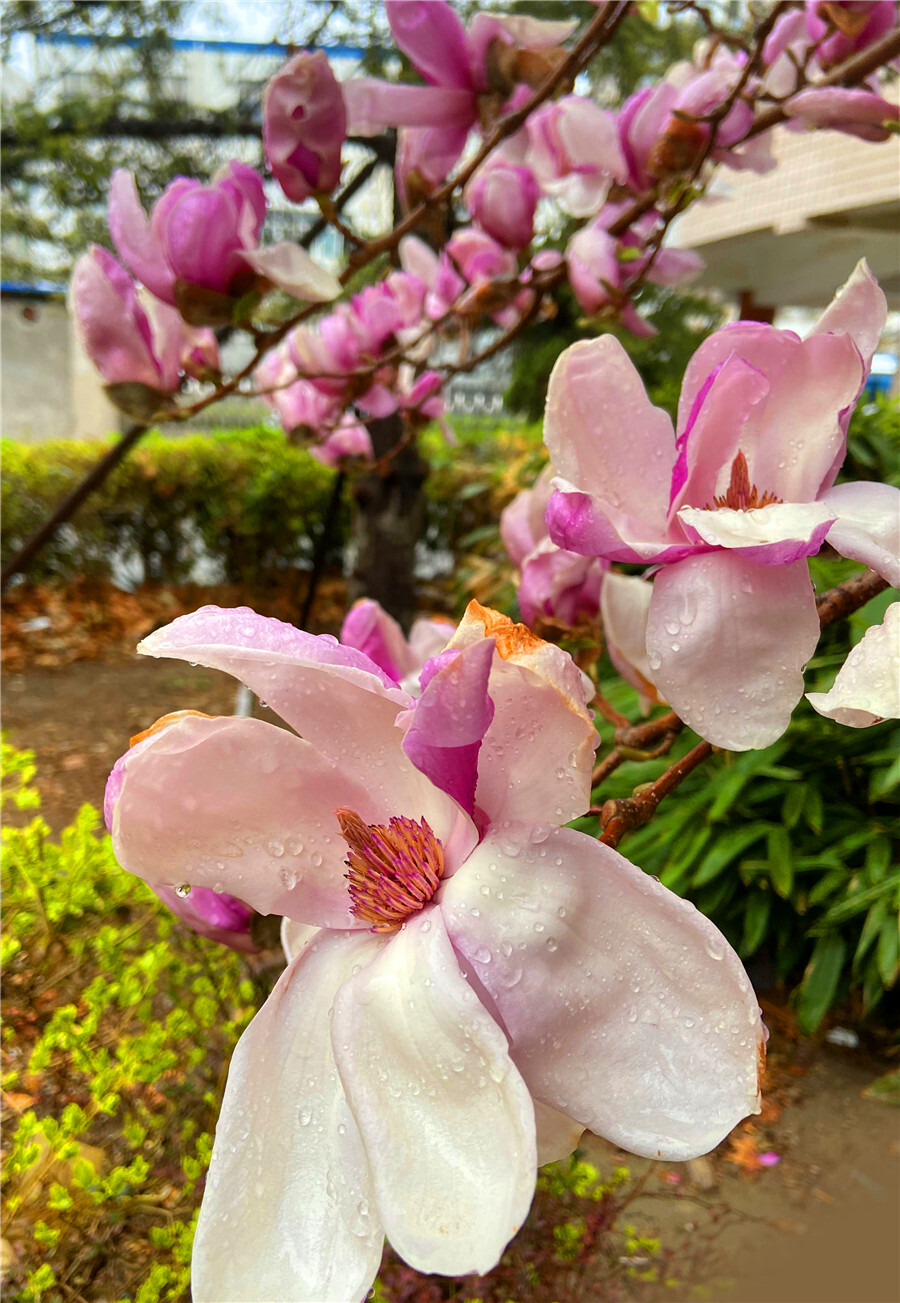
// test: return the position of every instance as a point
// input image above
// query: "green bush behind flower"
(245, 499)
(118, 1027)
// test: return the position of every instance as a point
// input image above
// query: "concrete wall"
(35, 402)
(49, 388)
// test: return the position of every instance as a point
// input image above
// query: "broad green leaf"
(888, 952)
(813, 810)
(792, 808)
(781, 861)
(756, 919)
(726, 849)
(870, 929)
(820, 981)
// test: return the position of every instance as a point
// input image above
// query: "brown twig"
(619, 817)
(839, 602)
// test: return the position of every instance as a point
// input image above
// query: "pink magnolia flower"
(454, 65)
(370, 629)
(304, 126)
(473, 955)
(133, 339)
(730, 506)
(213, 914)
(658, 138)
(348, 439)
(599, 265)
(855, 111)
(553, 582)
(206, 237)
(502, 197)
(575, 154)
(855, 24)
(867, 687)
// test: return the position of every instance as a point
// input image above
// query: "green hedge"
(247, 501)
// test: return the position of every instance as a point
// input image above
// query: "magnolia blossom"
(867, 688)
(304, 125)
(857, 111)
(370, 629)
(133, 339)
(599, 265)
(730, 505)
(202, 241)
(212, 914)
(854, 24)
(574, 152)
(462, 70)
(348, 440)
(794, 43)
(661, 134)
(502, 197)
(479, 971)
(553, 582)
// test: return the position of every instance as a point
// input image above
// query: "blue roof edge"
(195, 43)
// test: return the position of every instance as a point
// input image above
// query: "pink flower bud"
(123, 342)
(502, 199)
(304, 126)
(196, 234)
(858, 24)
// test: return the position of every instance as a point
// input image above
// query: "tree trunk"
(388, 521)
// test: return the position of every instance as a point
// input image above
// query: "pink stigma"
(395, 868)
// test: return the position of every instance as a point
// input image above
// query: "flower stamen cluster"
(395, 868)
(741, 494)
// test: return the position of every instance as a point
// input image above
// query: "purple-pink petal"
(450, 719)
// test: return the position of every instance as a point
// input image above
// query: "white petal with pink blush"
(867, 688)
(626, 1008)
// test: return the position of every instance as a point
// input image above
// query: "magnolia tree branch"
(619, 817)
(654, 738)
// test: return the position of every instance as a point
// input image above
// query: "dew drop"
(183, 890)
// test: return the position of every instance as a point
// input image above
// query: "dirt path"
(820, 1226)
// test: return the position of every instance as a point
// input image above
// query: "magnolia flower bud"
(304, 126)
(502, 199)
(129, 347)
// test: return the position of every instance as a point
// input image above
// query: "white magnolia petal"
(557, 1134)
(867, 688)
(867, 527)
(288, 1214)
(594, 388)
(775, 523)
(446, 1119)
(291, 269)
(626, 1008)
(294, 936)
(727, 642)
(624, 607)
